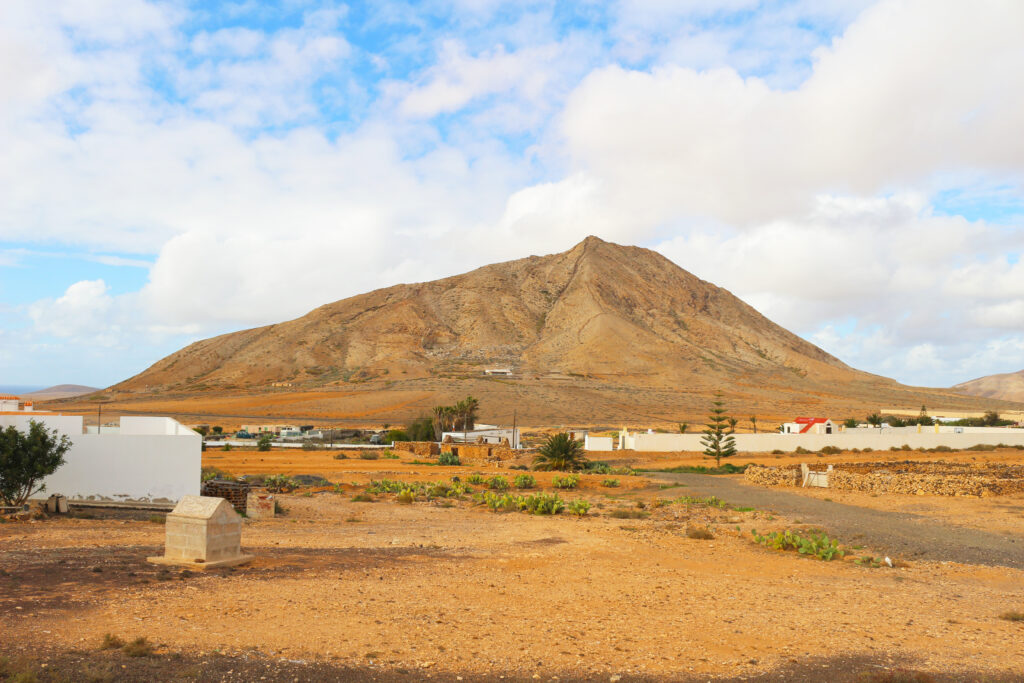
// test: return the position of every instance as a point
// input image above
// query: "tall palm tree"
(560, 452)
(753, 422)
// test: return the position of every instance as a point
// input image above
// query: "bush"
(476, 478)
(981, 447)
(310, 446)
(778, 452)
(263, 444)
(1012, 616)
(420, 429)
(560, 452)
(406, 496)
(362, 498)
(111, 642)
(140, 647)
(524, 481)
(699, 532)
(543, 504)
(610, 483)
(396, 435)
(570, 481)
(579, 507)
(209, 473)
(341, 456)
(279, 483)
(26, 458)
(800, 450)
(626, 513)
(227, 447)
(497, 483)
(367, 454)
(831, 450)
(449, 459)
(815, 545)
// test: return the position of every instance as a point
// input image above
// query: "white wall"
(65, 424)
(150, 460)
(597, 443)
(853, 438)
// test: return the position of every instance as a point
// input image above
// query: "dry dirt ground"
(345, 590)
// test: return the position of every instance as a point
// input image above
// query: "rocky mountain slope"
(1007, 386)
(601, 332)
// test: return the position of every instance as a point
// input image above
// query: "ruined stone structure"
(424, 448)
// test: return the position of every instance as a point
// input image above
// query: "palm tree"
(683, 427)
(753, 422)
(875, 420)
(560, 452)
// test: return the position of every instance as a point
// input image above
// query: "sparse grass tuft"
(610, 483)
(140, 647)
(626, 513)
(701, 533)
(362, 498)
(1012, 616)
(369, 455)
(111, 642)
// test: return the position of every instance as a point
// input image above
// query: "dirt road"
(901, 535)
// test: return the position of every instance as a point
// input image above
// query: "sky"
(174, 170)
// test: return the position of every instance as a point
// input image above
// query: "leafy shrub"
(579, 507)
(543, 504)
(699, 532)
(610, 483)
(279, 483)
(499, 502)
(449, 459)
(497, 483)
(624, 471)
(831, 450)
(367, 454)
(341, 456)
(815, 545)
(942, 449)
(778, 452)
(560, 452)
(570, 481)
(524, 481)
(209, 473)
(800, 450)
(263, 444)
(227, 447)
(476, 478)
(362, 498)
(406, 496)
(598, 468)
(867, 450)
(981, 447)
(310, 446)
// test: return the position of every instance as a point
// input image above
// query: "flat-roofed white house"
(810, 425)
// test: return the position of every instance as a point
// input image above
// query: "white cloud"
(84, 312)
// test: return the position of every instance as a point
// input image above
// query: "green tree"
(560, 452)
(263, 443)
(991, 419)
(28, 457)
(218, 430)
(420, 429)
(683, 427)
(718, 441)
(202, 430)
(874, 419)
(850, 423)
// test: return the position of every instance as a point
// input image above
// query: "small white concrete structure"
(204, 533)
(598, 443)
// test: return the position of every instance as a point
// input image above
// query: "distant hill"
(602, 333)
(60, 391)
(1007, 386)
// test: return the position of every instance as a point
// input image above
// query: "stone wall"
(936, 479)
(470, 453)
(424, 448)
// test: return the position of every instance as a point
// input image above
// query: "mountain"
(60, 391)
(599, 333)
(1008, 386)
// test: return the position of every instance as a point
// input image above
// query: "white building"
(148, 459)
(810, 425)
(491, 435)
(13, 404)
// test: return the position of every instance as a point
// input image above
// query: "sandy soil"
(459, 589)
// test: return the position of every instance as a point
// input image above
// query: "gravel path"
(900, 535)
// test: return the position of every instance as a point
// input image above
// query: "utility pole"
(515, 441)
(99, 417)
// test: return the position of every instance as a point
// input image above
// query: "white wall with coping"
(854, 438)
(150, 460)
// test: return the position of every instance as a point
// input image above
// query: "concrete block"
(203, 532)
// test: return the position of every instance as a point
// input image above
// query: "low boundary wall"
(931, 478)
(861, 438)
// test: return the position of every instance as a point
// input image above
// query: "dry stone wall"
(936, 479)
(424, 448)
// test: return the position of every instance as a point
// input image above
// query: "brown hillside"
(599, 333)
(1007, 386)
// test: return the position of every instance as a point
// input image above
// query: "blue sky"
(174, 170)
